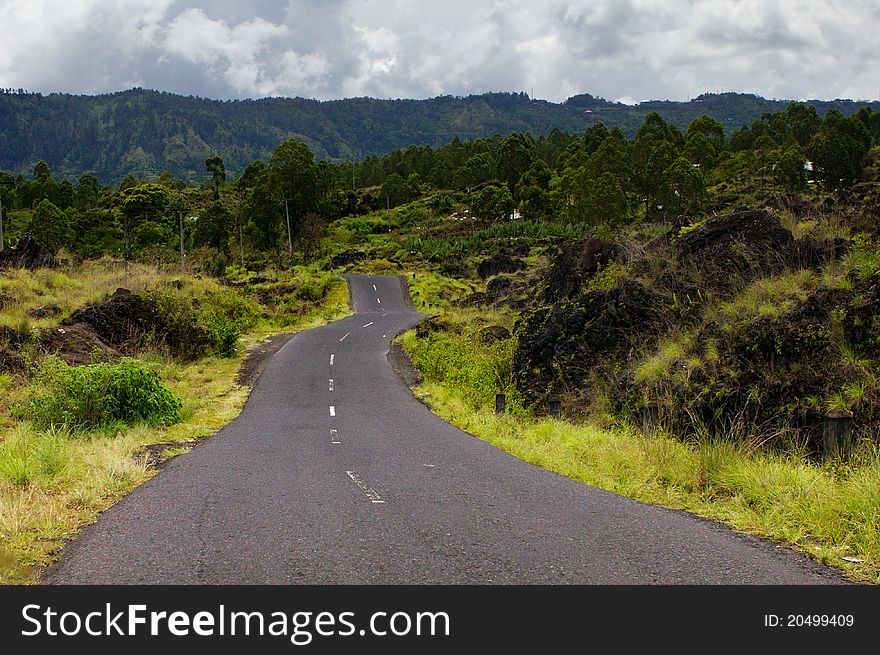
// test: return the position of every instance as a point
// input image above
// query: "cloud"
(634, 49)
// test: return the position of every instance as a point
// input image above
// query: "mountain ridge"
(144, 132)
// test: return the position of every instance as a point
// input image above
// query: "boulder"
(30, 254)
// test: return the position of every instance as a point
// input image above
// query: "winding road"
(334, 473)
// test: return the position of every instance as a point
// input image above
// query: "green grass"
(56, 480)
(829, 511)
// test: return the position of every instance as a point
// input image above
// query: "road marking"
(332, 410)
(385, 314)
(374, 288)
(428, 466)
(378, 301)
(331, 384)
(383, 336)
(368, 324)
(331, 359)
(334, 437)
(345, 337)
(371, 494)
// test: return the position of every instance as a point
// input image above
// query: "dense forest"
(598, 177)
(144, 133)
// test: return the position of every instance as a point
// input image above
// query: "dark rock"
(6, 299)
(811, 253)
(347, 258)
(519, 250)
(498, 285)
(500, 263)
(11, 361)
(748, 243)
(29, 253)
(574, 262)
(44, 311)
(455, 267)
(76, 344)
(121, 319)
(563, 343)
(793, 203)
(493, 333)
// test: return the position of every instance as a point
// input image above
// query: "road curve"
(334, 473)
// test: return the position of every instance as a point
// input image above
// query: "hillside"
(144, 132)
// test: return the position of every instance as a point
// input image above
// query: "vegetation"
(733, 279)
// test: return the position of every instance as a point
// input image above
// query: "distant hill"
(146, 132)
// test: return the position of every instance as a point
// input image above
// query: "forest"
(144, 133)
(598, 178)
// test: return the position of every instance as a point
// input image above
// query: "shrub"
(88, 397)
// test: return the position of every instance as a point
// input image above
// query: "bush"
(89, 397)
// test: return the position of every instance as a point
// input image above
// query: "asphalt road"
(334, 473)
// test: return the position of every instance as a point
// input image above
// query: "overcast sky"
(626, 50)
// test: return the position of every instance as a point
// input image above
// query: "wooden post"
(837, 433)
(650, 418)
(500, 403)
(555, 408)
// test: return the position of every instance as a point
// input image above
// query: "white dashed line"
(332, 410)
(331, 359)
(368, 324)
(385, 314)
(331, 384)
(374, 288)
(345, 337)
(371, 494)
(334, 436)
(378, 301)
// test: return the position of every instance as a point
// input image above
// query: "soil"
(403, 366)
(76, 344)
(257, 359)
(44, 311)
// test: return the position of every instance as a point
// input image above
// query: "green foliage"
(96, 395)
(451, 359)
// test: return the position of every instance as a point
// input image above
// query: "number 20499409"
(808, 620)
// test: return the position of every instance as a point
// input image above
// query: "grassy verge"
(829, 511)
(54, 481)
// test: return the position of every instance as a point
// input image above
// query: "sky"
(623, 50)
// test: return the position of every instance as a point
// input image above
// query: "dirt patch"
(257, 359)
(154, 455)
(403, 366)
(76, 344)
(44, 311)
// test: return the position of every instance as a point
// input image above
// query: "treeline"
(144, 132)
(278, 208)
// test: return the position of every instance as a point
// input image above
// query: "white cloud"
(634, 49)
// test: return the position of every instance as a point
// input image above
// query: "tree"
(87, 193)
(681, 187)
(214, 227)
(217, 170)
(516, 155)
(606, 200)
(493, 202)
(50, 226)
(838, 150)
(395, 191)
(788, 170)
(707, 126)
(295, 182)
(533, 190)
